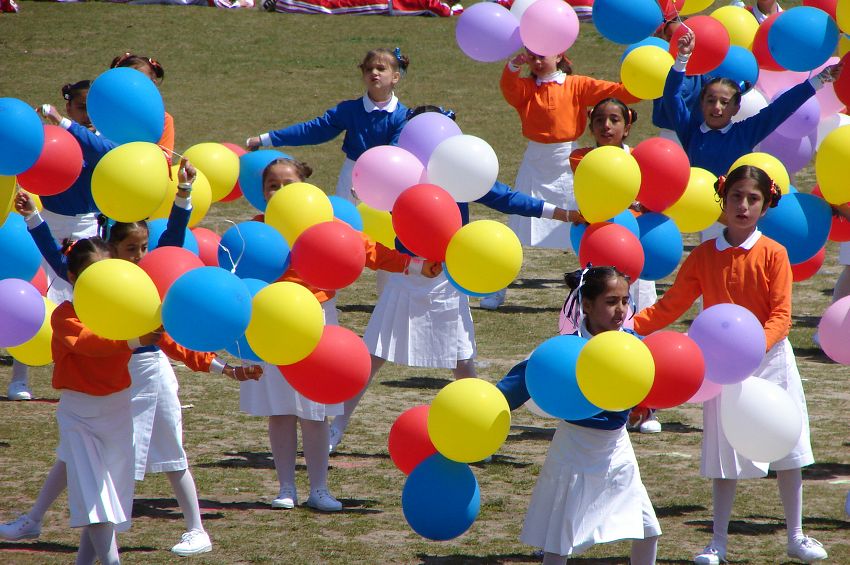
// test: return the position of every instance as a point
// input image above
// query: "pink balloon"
(382, 173)
(548, 27)
(834, 331)
(771, 82)
(707, 391)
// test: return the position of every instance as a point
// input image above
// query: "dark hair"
(413, 112)
(768, 188)
(724, 82)
(71, 91)
(588, 284)
(397, 61)
(629, 114)
(128, 59)
(80, 252)
(303, 169)
(116, 232)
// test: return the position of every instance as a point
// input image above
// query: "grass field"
(234, 74)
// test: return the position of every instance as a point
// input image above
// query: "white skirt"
(96, 444)
(844, 253)
(589, 491)
(643, 294)
(344, 183)
(272, 395)
(157, 417)
(421, 322)
(545, 173)
(63, 227)
(720, 460)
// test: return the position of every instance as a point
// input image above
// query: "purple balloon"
(794, 153)
(423, 134)
(21, 312)
(487, 32)
(803, 121)
(732, 341)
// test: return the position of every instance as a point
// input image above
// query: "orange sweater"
(759, 279)
(552, 112)
(167, 139)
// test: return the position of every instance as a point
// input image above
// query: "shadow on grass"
(752, 526)
(679, 428)
(364, 308)
(814, 354)
(534, 433)
(355, 506)
(822, 471)
(677, 510)
(514, 309)
(34, 400)
(418, 382)
(167, 508)
(527, 558)
(805, 321)
(537, 283)
(815, 523)
(52, 547)
(358, 455)
(502, 460)
(242, 460)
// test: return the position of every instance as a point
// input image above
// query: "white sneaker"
(287, 498)
(651, 425)
(193, 542)
(334, 437)
(20, 528)
(711, 555)
(322, 500)
(18, 390)
(493, 301)
(806, 549)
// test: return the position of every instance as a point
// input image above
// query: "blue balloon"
(19, 255)
(800, 222)
(254, 250)
(440, 499)
(347, 212)
(240, 349)
(125, 105)
(21, 136)
(551, 378)
(626, 21)
(652, 40)
(157, 227)
(576, 233)
(206, 309)
(624, 218)
(460, 288)
(802, 38)
(740, 65)
(662, 245)
(251, 166)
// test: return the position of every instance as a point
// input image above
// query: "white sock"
(791, 493)
(314, 440)
(20, 372)
(283, 438)
(644, 551)
(183, 485)
(723, 496)
(85, 554)
(54, 484)
(340, 422)
(103, 539)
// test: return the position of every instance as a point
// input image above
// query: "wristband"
(187, 186)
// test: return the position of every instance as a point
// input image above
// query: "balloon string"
(172, 151)
(241, 252)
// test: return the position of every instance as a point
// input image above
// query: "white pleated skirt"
(64, 227)
(344, 183)
(719, 458)
(421, 322)
(545, 173)
(589, 491)
(272, 395)
(96, 445)
(844, 253)
(157, 417)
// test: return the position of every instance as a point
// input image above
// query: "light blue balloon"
(626, 21)
(550, 377)
(347, 212)
(740, 65)
(801, 222)
(257, 250)
(125, 105)
(802, 38)
(19, 255)
(240, 349)
(251, 166)
(21, 136)
(460, 288)
(157, 227)
(662, 246)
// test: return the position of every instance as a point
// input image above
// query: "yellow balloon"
(7, 196)
(615, 370)
(843, 45)
(129, 182)
(842, 15)
(201, 198)
(36, 199)
(484, 256)
(219, 164)
(694, 6)
(606, 182)
(644, 71)
(116, 299)
(36, 351)
(286, 323)
(831, 165)
(740, 24)
(469, 420)
(697, 208)
(769, 164)
(296, 207)
(377, 224)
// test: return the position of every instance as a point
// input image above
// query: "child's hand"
(842, 210)
(686, 44)
(24, 204)
(520, 59)
(830, 73)
(151, 338)
(49, 113)
(252, 143)
(246, 373)
(186, 172)
(575, 217)
(431, 269)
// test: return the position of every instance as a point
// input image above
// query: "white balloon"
(830, 123)
(760, 419)
(751, 104)
(465, 166)
(532, 407)
(519, 7)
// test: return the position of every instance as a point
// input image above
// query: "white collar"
(584, 332)
(705, 129)
(721, 244)
(370, 106)
(558, 76)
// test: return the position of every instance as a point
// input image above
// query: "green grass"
(234, 74)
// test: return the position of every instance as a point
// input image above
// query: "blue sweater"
(78, 198)
(716, 150)
(363, 130)
(691, 89)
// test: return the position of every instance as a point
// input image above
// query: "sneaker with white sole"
(193, 542)
(493, 301)
(20, 528)
(334, 437)
(322, 500)
(651, 425)
(806, 549)
(286, 499)
(18, 390)
(711, 555)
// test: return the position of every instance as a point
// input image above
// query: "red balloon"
(208, 242)
(39, 281)
(425, 217)
(57, 167)
(842, 85)
(605, 243)
(712, 43)
(164, 265)
(409, 442)
(840, 229)
(679, 369)
(330, 255)
(664, 172)
(827, 6)
(808, 268)
(762, 53)
(338, 369)
(237, 190)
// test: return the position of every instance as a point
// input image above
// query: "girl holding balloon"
(589, 490)
(743, 267)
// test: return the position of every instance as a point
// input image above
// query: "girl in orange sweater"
(743, 267)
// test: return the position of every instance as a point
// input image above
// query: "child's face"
(543, 65)
(718, 105)
(607, 312)
(744, 205)
(277, 177)
(133, 247)
(608, 125)
(379, 76)
(77, 109)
